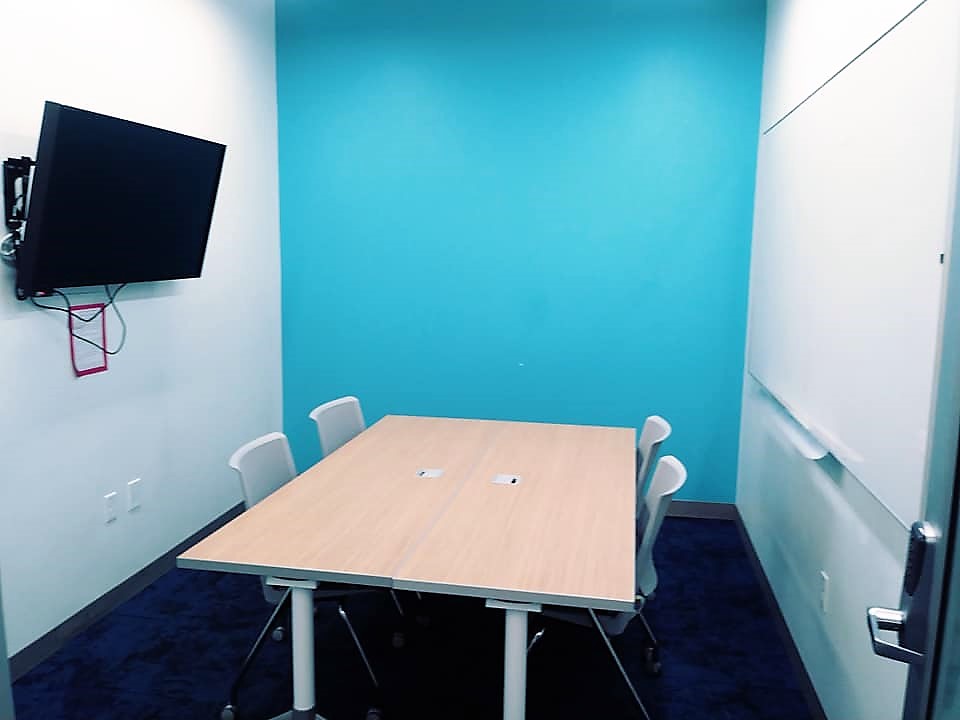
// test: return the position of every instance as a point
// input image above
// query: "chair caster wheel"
(651, 662)
(228, 713)
(398, 640)
(374, 714)
(278, 634)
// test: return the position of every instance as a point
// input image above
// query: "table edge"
(292, 573)
(508, 422)
(527, 596)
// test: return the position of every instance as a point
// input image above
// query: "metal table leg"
(301, 635)
(514, 656)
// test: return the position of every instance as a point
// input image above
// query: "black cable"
(71, 314)
(110, 303)
(123, 325)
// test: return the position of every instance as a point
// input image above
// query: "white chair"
(655, 430)
(668, 478)
(264, 466)
(337, 422)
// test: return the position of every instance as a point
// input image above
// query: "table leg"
(301, 638)
(301, 631)
(514, 664)
(514, 656)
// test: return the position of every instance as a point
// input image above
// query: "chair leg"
(399, 635)
(420, 617)
(235, 687)
(535, 639)
(396, 601)
(616, 659)
(646, 626)
(356, 641)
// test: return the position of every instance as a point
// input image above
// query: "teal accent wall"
(521, 210)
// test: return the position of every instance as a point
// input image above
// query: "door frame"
(942, 487)
(945, 651)
(6, 691)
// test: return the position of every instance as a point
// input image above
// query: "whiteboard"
(853, 210)
(809, 40)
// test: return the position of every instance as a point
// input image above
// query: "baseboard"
(702, 510)
(42, 648)
(806, 685)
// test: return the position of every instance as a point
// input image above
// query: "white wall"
(803, 516)
(200, 373)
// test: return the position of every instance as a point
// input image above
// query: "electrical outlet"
(109, 507)
(824, 591)
(133, 494)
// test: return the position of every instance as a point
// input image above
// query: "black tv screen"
(114, 201)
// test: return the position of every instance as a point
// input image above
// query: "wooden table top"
(563, 534)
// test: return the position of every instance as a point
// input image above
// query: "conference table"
(520, 514)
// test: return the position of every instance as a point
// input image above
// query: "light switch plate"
(109, 507)
(133, 494)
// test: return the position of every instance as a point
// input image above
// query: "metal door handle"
(879, 619)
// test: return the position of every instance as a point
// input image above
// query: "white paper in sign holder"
(506, 479)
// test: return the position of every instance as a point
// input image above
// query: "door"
(925, 630)
(6, 697)
(927, 623)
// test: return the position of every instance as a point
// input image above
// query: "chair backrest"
(337, 422)
(655, 431)
(669, 477)
(264, 465)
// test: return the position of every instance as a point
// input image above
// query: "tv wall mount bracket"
(16, 180)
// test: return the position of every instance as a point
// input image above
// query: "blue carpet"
(170, 653)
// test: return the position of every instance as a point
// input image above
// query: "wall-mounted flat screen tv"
(114, 201)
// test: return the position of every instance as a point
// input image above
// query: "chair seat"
(613, 623)
(324, 591)
(332, 590)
